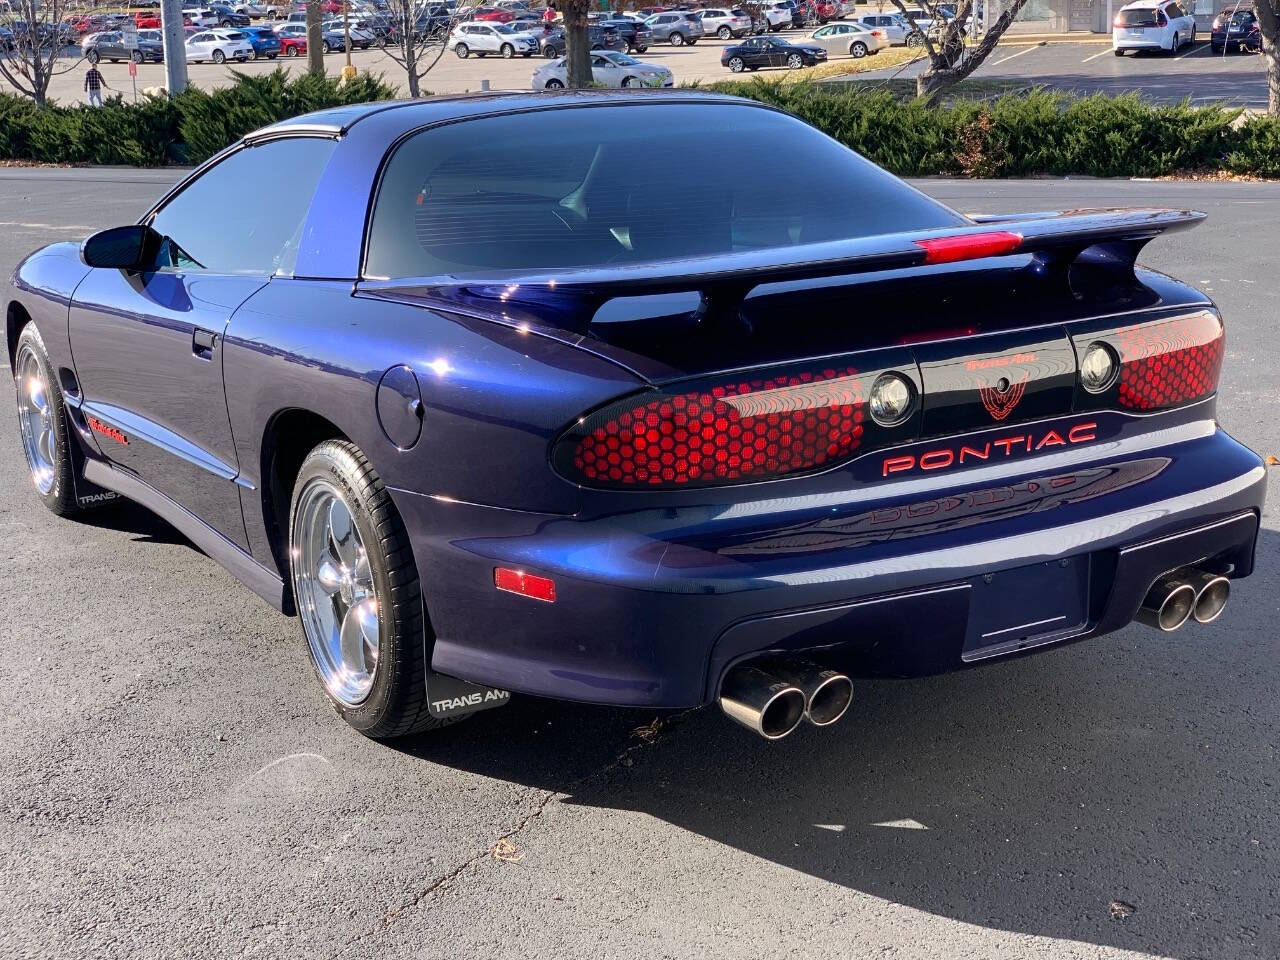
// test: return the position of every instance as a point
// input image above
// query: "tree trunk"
(1272, 53)
(315, 39)
(577, 44)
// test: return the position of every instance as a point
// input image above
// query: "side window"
(264, 238)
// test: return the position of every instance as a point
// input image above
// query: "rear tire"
(677, 39)
(136, 56)
(724, 33)
(291, 52)
(219, 57)
(857, 50)
(736, 64)
(340, 509)
(462, 51)
(1119, 53)
(554, 84)
(45, 429)
(1174, 45)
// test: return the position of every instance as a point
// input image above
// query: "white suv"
(1152, 25)
(778, 15)
(481, 38)
(726, 23)
(219, 46)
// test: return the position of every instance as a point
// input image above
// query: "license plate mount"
(1027, 607)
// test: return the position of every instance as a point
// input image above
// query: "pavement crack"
(646, 736)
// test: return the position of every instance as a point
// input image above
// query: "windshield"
(465, 198)
(507, 28)
(622, 59)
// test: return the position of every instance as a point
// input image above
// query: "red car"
(293, 46)
(331, 6)
(147, 21)
(492, 14)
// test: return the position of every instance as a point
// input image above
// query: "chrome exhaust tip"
(1212, 591)
(827, 693)
(762, 702)
(1169, 604)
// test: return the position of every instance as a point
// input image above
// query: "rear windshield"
(1143, 17)
(592, 186)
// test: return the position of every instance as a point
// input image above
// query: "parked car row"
(609, 68)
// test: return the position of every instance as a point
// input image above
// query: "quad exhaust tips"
(1177, 597)
(773, 700)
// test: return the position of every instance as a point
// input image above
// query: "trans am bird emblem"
(1003, 397)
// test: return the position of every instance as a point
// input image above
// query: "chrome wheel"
(35, 414)
(336, 597)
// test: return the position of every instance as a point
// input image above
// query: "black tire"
(1174, 45)
(136, 56)
(219, 57)
(724, 33)
(1119, 53)
(736, 64)
(554, 84)
(92, 56)
(462, 50)
(291, 52)
(915, 40)
(1213, 48)
(857, 50)
(692, 41)
(507, 51)
(61, 496)
(254, 55)
(628, 81)
(794, 61)
(324, 46)
(272, 56)
(677, 39)
(396, 704)
(549, 52)
(641, 49)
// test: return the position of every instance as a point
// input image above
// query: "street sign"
(129, 34)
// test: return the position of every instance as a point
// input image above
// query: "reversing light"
(969, 246)
(525, 584)
(891, 400)
(1099, 368)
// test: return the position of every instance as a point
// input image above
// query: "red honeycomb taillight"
(1168, 363)
(748, 428)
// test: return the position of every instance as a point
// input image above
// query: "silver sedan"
(609, 68)
(849, 40)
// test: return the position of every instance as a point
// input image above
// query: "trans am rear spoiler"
(575, 298)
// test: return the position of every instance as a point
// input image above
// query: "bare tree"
(1268, 13)
(415, 37)
(35, 45)
(315, 39)
(950, 59)
(577, 44)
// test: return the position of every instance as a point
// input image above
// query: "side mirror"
(122, 248)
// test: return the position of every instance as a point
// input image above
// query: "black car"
(636, 34)
(113, 46)
(756, 52)
(1238, 30)
(602, 37)
(228, 17)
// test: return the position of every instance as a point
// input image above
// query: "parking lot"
(1087, 66)
(1196, 72)
(175, 785)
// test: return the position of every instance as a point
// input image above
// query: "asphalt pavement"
(175, 785)
(1196, 73)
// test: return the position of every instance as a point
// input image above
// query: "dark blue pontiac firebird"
(492, 407)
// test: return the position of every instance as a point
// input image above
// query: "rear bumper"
(653, 606)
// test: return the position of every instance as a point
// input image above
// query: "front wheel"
(42, 420)
(324, 46)
(254, 55)
(357, 593)
(549, 52)
(736, 64)
(93, 57)
(219, 57)
(291, 52)
(641, 49)
(136, 56)
(858, 50)
(507, 51)
(554, 84)
(915, 40)
(794, 61)
(677, 39)
(724, 33)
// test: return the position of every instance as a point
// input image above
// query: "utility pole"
(174, 40)
(348, 71)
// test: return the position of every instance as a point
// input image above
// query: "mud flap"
(450, 697)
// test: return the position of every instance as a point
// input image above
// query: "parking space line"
(1097, 55)
(1194, 49)
(1020, 53)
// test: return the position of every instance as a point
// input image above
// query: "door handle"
(202, 342)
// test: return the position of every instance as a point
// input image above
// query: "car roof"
(403, 116)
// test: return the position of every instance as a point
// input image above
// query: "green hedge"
(1016, 135)
(191, 126)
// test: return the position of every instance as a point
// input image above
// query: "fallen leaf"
(1120, 909)
(649, 732)
(506, 851)
(1271, 460)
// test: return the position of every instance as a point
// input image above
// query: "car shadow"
(1119, 792)
(126, 516)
